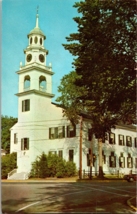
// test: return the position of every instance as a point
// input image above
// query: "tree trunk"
(100, 159)
(91, 159)
(80, 174)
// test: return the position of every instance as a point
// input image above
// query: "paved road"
(107, 197)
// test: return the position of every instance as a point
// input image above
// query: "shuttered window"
(57, 132)
(71, 131)
(121, 140)
(25, 144)
(129, 161)
(128, 141)
(122, 161)
(112, 138)
(25, 105)
(112, 160)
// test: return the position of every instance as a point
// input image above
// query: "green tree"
(6, 124)
(8, 163)
(104, 51)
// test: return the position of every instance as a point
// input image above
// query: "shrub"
(40, 167)
(70, 168)
(50, 166)
(61, 168)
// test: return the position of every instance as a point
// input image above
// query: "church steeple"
(37, 18)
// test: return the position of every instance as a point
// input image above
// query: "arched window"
(42, 83)
(40, 41)
(36, 39)
(31, 40)
(27, 83)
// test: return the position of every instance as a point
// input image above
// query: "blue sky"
(18, 19)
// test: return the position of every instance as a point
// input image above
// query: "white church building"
(41, 126)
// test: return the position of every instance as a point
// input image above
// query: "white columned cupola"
(36, 51)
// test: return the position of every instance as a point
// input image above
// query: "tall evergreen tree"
(104, 51)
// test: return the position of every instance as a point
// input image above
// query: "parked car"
(131, 177)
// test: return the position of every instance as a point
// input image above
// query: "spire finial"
(37, 9)
(37, 19)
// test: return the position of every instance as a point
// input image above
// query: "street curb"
(101, 180)
(58, 180)
(129, 203)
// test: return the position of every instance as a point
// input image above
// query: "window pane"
(61, 131)
(129, 142)
(52, 134)
(121, 140)
(112, 138)
(56, 132)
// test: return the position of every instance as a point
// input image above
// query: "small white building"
(41, 126)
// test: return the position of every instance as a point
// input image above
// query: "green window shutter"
(115, 161)
(27, 143)
(23, 102)
(22, 144)
(67, 131)
(49, 133)
(110, 161)
(28, 105)
(74, 130)
(63, 131)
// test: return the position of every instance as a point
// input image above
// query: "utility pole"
(81, 148)
(100, 158)
(91, 156)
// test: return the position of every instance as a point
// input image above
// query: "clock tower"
(35, 78)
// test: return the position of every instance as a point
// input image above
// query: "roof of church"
(37, 30)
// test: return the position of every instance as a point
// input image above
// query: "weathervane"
(37, 9)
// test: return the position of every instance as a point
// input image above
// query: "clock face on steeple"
(29, 57)
(41, 58)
